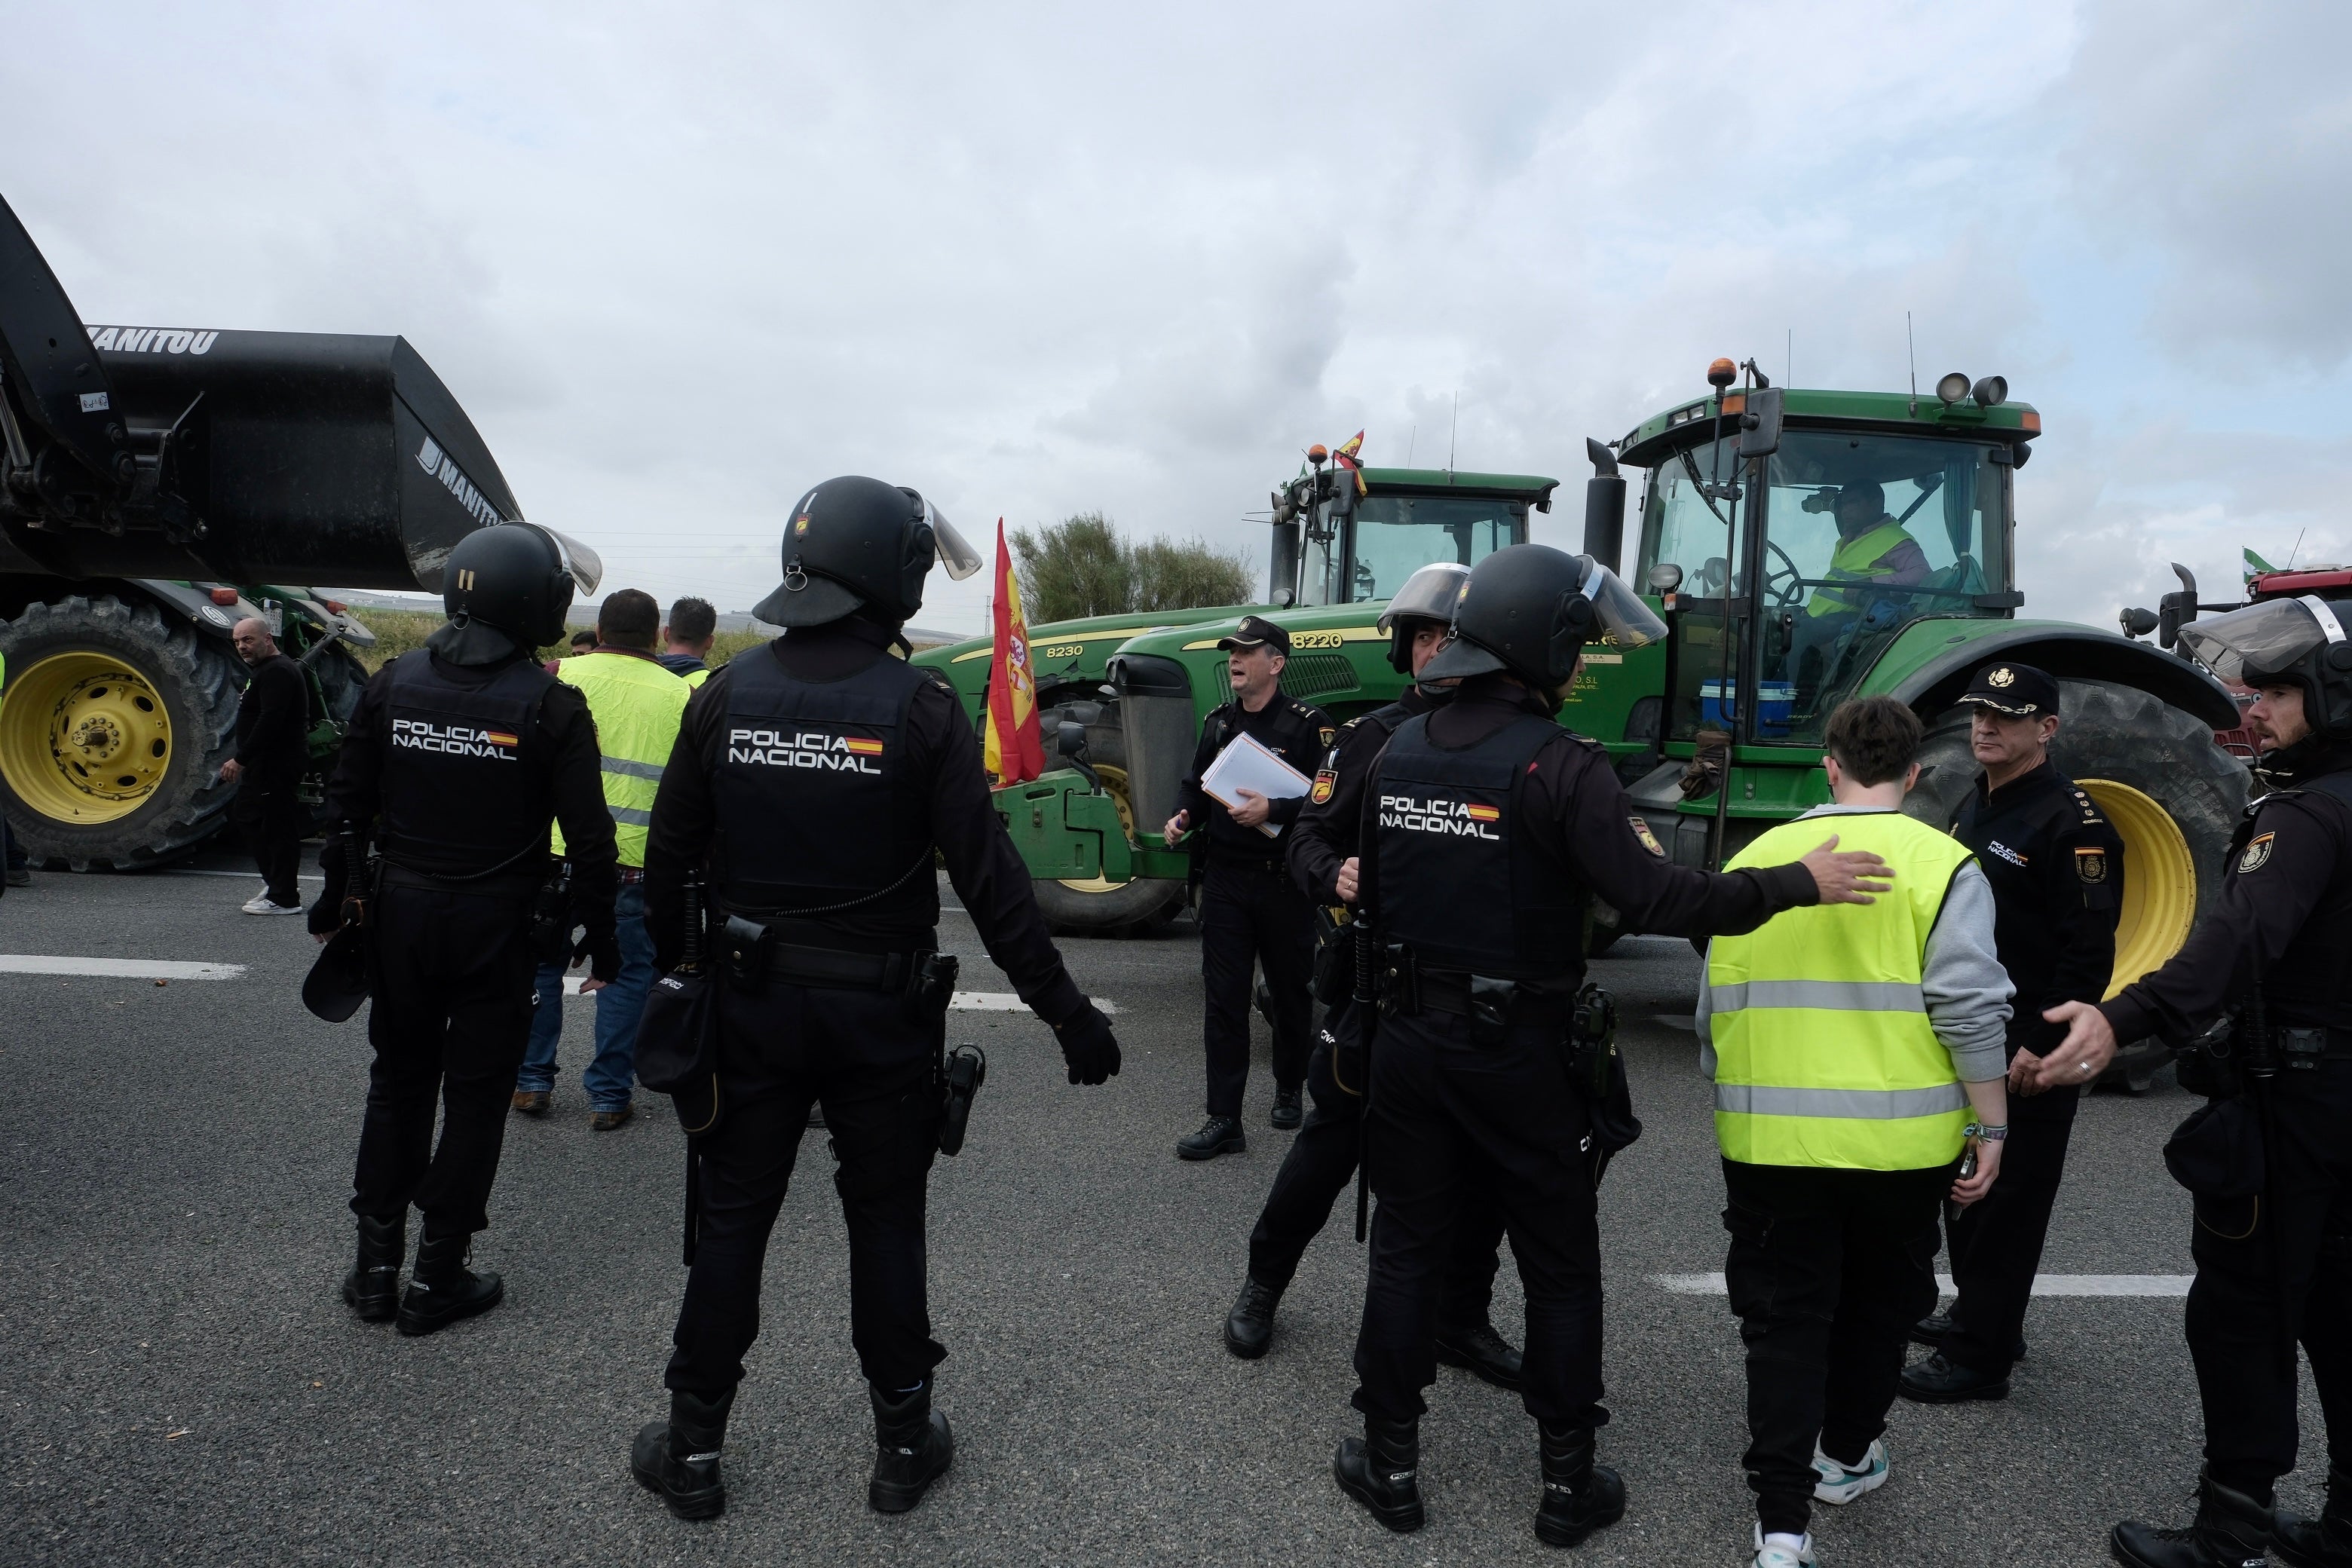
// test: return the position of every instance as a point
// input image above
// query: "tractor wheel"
(1097, 907)
(113, 730)
(2172, 796)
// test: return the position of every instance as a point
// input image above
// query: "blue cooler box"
(1774, 704)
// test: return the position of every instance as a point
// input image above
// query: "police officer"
(1322, 1158)
(459, 758)
(2273, 1235)
(816, 783)
(2057, 874)
(1491, 827)
(1251, 914)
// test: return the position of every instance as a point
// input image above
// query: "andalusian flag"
(1016, 749)
(1349, 455)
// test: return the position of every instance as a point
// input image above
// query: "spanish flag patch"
(500, 737)
(1483, 813)
(864, 748)
(1325, 781)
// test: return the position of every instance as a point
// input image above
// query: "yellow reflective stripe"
(1845, 1104)
(628, 769)
(1830, 995)
(630, 816)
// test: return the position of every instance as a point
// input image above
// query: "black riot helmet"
(1429, 595)
(2286, 642)
(1529, 609)
(517, 578)
(855, 544)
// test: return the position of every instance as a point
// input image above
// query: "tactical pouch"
(1491, 1002)
(744, 951)
(550, 916)
(931, 981)
(1399, 982)
(1335, 955)
(1593, 1065)
(2302, 1049)
(2211, 1064)
(961, 1073)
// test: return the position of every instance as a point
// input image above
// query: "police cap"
(2019, 690)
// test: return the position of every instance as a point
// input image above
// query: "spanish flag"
(1015, 751)
(1349, 455)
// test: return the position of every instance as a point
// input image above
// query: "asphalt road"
(180, 1379)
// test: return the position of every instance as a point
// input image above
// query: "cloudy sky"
(679, 263)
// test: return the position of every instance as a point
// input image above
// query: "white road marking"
(242, 875)
(1006, 1002)
(2043, 1284)
(116, 968)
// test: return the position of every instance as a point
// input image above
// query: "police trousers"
(1445, 1114)
(451, 979)
(1996, 1242)
(869, 1058)
(1253, 914)
(1318, 1169)
(2242, 1248)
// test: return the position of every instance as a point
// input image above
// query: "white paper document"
(1246, 765)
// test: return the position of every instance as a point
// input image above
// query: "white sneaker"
(1839, 1485)
(260, 904)
(1779, 1556)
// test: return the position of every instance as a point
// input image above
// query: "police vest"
(636, 705)
(817, 807)
(464, 788)
(1459, 883)
(1858, 561)
(1824, 1052)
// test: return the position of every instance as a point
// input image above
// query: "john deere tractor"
(1123, 696)
(156, 485)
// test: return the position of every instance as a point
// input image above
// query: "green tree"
(1080, 566)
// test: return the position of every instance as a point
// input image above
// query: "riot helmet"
(1529, 609)
(857, 544)
(1429, 595)
(2286, 642)
(517, 578)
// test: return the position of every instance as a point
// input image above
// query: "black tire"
(198, 681)
(1132, 908)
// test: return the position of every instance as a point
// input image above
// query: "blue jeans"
(613, 1073)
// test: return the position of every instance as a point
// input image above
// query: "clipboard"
(1246, 763)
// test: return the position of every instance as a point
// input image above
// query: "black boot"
(679, 1457)
(372, 1286)
(915, 1448)
(2322, 1543)
(442, 1289)
(1380, 1468)
(1481, 1350)
(1249, 1327)
(2231, 1531)
(1579, 1496)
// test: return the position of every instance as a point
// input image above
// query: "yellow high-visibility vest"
(636, 705)
(1824, 1052)
(1861, 561)
(695, 678)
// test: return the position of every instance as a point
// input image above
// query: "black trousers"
(1827, 1269)
(1254, 915)
(1446, 1115)
(870, 1059)
(1995, 1243)
(1319, 1166)
(267, 812)
(452, 987)
(2246, 1378)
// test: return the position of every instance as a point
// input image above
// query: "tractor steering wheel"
(1783, 583)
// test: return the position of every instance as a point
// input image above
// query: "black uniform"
(821, 773)
(2057, 872)
(1491, 826)
(1322, 1158)
(1251, 912)
(466, 766)
(2285, 905)
(273, 748)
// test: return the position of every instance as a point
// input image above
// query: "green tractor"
(1805, 547)
(1123, 696)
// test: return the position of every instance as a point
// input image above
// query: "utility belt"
(750, 956)
(523, 882)
(2217, 1063)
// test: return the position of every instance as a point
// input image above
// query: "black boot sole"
(1244, 1349)
(416, 1324)
(704, 1502)
(1233, 1146)
(1554, 1532)
(898, 1496)
(1403, 1520)
(1985, 1391)
(1484, 1372)
(371, 1306)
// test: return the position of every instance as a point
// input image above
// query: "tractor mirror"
(1604, 506)
(2137, 623)
(2172, 611)
(1759, 426)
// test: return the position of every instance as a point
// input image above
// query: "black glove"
(335, 857)
(603, 951)
(1088, 1045)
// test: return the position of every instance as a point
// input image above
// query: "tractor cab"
(1334, 544)
(1795, 535)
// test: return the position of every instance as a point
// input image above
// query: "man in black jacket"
(461, 757)
(1251, 915)
(272, 748)
(2057, 873)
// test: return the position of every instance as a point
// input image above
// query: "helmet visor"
(2262, 639)
(585, 567)
(1620, 618)
(956, 553)
(1429, 595)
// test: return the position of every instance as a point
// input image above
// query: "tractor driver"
(1873, 551)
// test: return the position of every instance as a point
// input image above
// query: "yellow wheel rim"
(84, 738)
(1114, 781)
(2159, 880)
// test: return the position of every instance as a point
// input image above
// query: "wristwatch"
(1984, 1135)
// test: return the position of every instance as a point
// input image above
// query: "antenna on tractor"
(1454, 431)
(1911, 348)
(2296, 552)
(1788, 360)
(1411, 437)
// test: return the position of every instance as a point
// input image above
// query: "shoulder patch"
(2090, 865)
(1325, 733)
(2258, 853)
(1649, 839)
(1325, 783)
